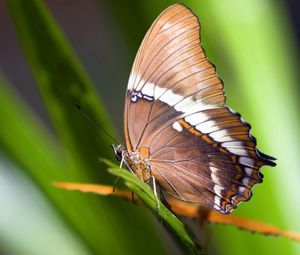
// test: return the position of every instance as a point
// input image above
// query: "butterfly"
(179, 134)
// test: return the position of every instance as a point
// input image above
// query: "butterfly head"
(119, 151)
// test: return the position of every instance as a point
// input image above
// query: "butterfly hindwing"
(212, 154)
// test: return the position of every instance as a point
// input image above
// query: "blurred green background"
(44, 139)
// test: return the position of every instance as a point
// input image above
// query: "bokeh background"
(255, 46)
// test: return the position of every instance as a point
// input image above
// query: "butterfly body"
(178, 132)
(139, 166)
(136, 163)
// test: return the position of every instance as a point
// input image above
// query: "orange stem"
(251, 225)
(188, 210)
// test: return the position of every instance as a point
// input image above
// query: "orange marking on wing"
(127, 139)
(192, 130)
(223, 204)
(223, 150)
(206, 138)
(189, 128)
(144, 152)
(234, 158)
(230, 193)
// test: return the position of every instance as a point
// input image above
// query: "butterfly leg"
(122, 160)
(155, 193)
(115, 183)
(121, 164)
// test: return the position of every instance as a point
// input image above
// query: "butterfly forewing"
(199, 150)
(170, 65)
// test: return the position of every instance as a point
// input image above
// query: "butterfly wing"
(169, 65)
(208, 157)
(199, 150)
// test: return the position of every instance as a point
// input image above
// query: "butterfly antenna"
(94, 123)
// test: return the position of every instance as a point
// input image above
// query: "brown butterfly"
(179, 134)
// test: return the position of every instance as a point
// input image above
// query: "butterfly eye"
(118, 151)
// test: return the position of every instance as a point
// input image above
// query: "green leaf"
(145, 193)
(28, 144)
(62, 82)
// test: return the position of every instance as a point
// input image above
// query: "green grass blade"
(29, 223)
(28, 144)
(62, 82)
(145, 193)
